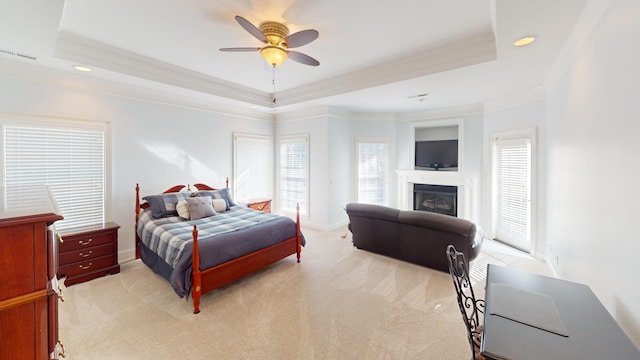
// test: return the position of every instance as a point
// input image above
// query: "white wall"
(437, 133)
(340, 157)
(593, 143)
(155, 145)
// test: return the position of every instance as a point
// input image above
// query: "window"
(252, 158)
(294, 173)
(372, 171)
(512, 184)
(69, 159)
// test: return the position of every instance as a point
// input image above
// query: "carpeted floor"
(338, 303)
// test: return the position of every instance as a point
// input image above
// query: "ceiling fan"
(277, 42)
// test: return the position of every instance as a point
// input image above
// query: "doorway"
(513, 157)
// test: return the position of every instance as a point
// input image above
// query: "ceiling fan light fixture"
(274, 55)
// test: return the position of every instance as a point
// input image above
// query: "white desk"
(592, 332)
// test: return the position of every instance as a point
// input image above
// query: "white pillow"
(182, 207)
(219, 205)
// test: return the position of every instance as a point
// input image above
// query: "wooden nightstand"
(86, 253)
(262, 204)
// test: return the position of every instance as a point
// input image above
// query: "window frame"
(373, 140)
(238, 140)
(289, 139)
(27, 120)
(530, 135)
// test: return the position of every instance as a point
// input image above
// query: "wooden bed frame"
(206, 280)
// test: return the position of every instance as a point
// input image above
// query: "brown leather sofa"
(419, 237)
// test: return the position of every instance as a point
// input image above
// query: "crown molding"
(171, 96)
(450, 112)
(515, 98)
(589, 21)
(463, 53)
(81, 50)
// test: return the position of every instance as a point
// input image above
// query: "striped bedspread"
(222, 237)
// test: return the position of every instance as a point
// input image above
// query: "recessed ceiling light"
(82, 68)
(524, 41)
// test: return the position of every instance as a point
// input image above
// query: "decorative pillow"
(218, 194)
(164, 205)
(200, 207)
(183, 209)
(220, 205)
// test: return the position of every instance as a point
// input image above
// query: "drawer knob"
(60, 240)
(85, 242)
(87, 254)
(60, 294)
(85, 267)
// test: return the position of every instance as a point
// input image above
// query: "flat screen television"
(436, 155)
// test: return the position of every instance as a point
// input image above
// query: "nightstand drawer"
(82, 241)
(85, 254)
(86, 267)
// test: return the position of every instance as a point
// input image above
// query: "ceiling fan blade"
(301, 38)
(303, 58)
(240, 49)
(251, 29)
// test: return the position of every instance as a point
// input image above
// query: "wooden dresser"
(29, 291)
(88, 252)
(262, 204)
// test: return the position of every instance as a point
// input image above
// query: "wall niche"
(437, 145)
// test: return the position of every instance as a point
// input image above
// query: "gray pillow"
(218, 194)
(163, 205)
(200, 207)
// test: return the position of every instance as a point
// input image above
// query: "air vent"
(17, 54)
(419, 97)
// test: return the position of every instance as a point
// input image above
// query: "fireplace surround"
(442, 199)
(466, 184)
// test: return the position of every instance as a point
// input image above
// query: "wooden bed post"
(135, 230)
(196, 285)
(298, 233)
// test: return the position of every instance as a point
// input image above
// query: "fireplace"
(436, 198)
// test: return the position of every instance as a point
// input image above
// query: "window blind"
(294, 172)
(252, 167)
(372, 172)
(70, 161)
(513, 188)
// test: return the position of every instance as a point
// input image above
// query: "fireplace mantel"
(467, 185)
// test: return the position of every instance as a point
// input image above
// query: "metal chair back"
(470, 307)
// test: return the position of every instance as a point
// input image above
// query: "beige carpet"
(338, 303)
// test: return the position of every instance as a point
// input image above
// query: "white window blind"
(252, 167)
(70, 161)
(513, 191)
(372, 171)
(294, 173)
